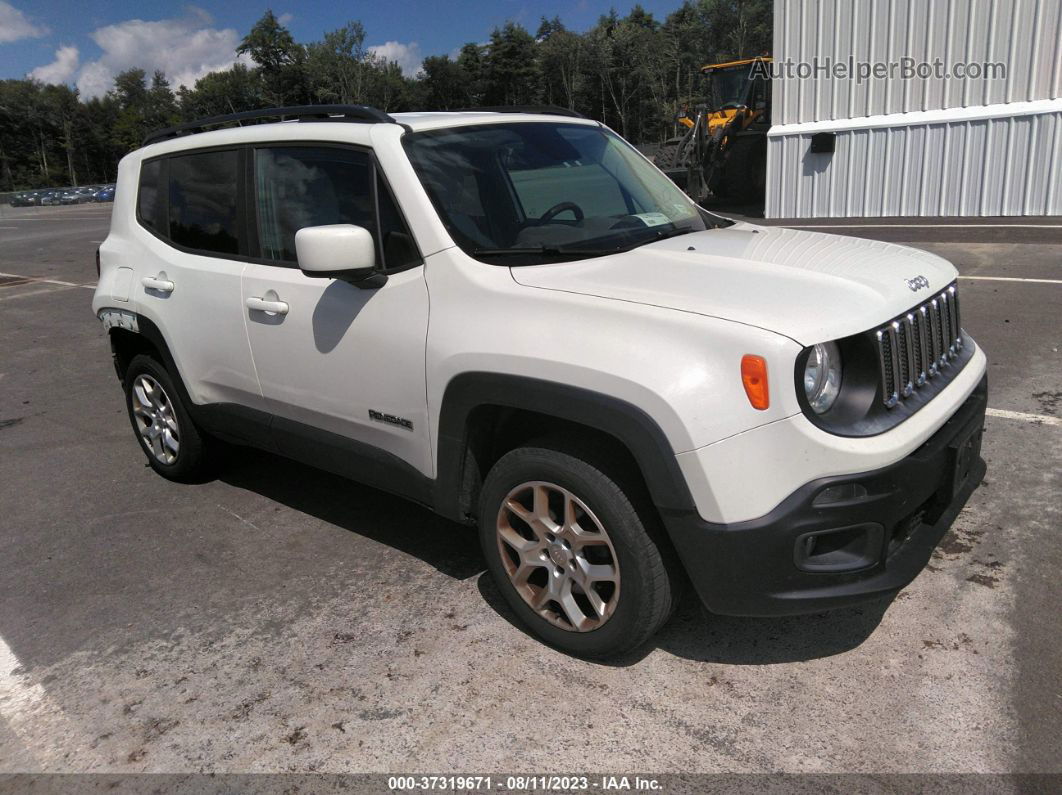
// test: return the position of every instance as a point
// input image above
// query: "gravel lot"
(281, 619)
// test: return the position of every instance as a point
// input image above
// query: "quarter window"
(148, 203)
(202, 201)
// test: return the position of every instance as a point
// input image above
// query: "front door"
(336, 358)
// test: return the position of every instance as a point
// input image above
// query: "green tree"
(338, 67)
(219, 93)
(280, 59)
(446, 83)
(511, 69)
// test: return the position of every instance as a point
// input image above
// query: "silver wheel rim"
(155, 419)
(558, 556)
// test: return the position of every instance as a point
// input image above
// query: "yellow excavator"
(723, 151)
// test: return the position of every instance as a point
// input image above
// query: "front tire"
(174, 446)
(571, 555)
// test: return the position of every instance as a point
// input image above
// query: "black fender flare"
(625, 422)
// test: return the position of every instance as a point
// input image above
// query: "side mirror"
(339, 251)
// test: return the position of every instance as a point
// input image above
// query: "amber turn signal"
(754, 378)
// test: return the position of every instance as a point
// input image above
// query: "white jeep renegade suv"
(518, 321)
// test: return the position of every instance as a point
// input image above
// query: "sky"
(87, 42)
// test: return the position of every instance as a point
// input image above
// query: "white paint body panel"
(340, 351)
(809, 286)
(662, 327)
(201, 320)
(748, 475)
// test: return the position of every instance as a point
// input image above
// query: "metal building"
(922, 146)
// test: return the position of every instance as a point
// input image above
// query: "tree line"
(634, 73)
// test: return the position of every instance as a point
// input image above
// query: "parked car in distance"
(19, 199)
(51, 198)
(105, 194)
(625, 392)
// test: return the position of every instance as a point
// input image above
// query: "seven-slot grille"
(914, 347)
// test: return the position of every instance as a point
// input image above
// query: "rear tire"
(174, 446)
(571, 555)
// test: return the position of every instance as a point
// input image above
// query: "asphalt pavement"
(282, 619)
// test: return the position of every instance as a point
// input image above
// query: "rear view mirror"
(339, 251)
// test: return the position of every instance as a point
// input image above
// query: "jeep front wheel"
(571, 554)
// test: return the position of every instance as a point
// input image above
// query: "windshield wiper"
(562, 251)
(548, 251)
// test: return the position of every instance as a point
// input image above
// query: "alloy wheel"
(155, 419)
(558, 556)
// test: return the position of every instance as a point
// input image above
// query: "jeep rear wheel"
(174, 447)
(571, 554)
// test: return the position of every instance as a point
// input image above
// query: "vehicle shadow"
(453, 550)
(695, 634)
(446, 546)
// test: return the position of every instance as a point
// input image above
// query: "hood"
(809, 286)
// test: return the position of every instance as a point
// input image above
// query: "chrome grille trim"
(918, 345)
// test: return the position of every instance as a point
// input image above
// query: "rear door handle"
(262, 305)
(159, 285)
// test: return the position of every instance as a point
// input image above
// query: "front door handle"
(262, 305)
(159, 285)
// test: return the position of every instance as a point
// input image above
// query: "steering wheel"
(557, 209)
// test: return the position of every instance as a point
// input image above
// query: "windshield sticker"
(653, 219)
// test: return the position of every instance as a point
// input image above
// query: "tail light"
(97, 262)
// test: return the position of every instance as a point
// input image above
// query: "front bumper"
(807, 555)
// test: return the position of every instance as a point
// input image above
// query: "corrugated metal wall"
(1023, 34)
(982, 166)
(1010, 166)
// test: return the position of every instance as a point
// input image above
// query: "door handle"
(159, 285)
(262, 305)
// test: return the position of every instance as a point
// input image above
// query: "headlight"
(822, 376)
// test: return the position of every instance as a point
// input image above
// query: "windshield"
(730, 86)
(534, 192)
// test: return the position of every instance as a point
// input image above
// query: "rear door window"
(202, 197)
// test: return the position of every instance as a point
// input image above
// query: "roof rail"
(547, 110)
(352, 113)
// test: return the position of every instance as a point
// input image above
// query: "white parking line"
(1010, 279)
(13, 296)
(1039, 419)
(43, 730)
(43, 280)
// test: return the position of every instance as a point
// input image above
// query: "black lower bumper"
(839, 540)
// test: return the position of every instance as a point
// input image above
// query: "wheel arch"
(484, 415)
(149, 340)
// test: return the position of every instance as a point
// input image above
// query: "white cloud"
(61, 69)
(185, 49)
(15, 26)
(285, 19)
(407, 56)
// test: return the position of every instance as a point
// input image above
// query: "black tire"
(646, 590)
(669, 152)
(192, 461)
(744, 177)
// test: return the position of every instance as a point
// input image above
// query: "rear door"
(188, 280)
(339, 359)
